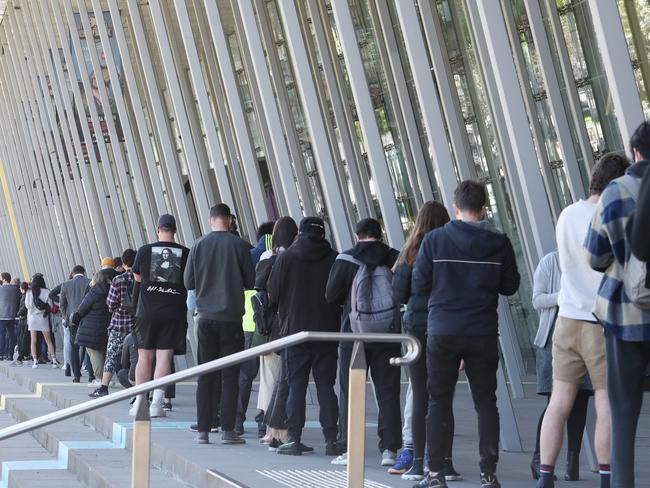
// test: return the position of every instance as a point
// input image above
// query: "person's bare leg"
(50, 345)
(107, 377)
(33, 343)
(144, 367)
(557, 412)
(602, 439)
(163, 362)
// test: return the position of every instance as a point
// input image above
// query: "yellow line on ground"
(12, 219)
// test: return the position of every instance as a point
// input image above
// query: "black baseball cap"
(166, 221)
(313, 226)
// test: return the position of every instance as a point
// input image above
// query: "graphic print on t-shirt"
(166, 265)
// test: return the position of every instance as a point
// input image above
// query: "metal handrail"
(411, 354)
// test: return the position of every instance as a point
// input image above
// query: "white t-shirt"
(579, 283)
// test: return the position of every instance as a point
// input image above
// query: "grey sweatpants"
(627, 363)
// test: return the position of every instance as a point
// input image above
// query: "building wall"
(115, 111)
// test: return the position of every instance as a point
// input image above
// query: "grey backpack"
(372, 302)
(635, 274)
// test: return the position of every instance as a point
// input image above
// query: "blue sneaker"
(403, 463)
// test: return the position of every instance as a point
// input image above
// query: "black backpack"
(130, 301)
(264, 315)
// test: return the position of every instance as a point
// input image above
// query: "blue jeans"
(7, 338)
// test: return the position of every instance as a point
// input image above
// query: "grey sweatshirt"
(9, 300)
(220, 268)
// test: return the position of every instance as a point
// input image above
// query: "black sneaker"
(432, 481)
(450, 473)
(332, 449)
(291, 448)
(306, 449)
(99, 392)
(195, 428)
(167, 407)
(274, 444)
(230, 437)
(489, 481)
(67, 371)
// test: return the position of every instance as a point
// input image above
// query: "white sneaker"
(35, 364)
(95, 384)
(133, 411)
(342, 460)
(157, 410)
(388, 458)
(63, 366)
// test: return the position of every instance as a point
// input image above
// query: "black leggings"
(418, 377)
(575, 425)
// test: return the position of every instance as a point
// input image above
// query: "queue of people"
(130, 319)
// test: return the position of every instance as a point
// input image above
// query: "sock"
(546, 470)
(605, 473)
(104, 387)
(158, 397)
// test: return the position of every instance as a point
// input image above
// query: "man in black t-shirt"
(161, 318)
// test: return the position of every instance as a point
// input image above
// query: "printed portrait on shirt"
(166, 265)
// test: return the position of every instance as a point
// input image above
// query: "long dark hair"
(38, 283)
(285, 231)
(430, 216)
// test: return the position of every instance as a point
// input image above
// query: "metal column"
(616, 60)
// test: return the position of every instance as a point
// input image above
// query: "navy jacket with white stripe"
(463, 267)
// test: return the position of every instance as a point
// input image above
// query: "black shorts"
(160, 334)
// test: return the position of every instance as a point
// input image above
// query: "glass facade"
(118, 110)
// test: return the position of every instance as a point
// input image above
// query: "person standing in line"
(639, 231)
(9, 301)
(370, 251)
(121, 290)
(92, 318)
(546, 288)
(38, 318)
(23, 333)
(161, 317)
(463, 267)
(249, 370)
(578, 340)
(107, 266)
(619, 305)
(55, 298)
(431, 216)
(71, 295)
(220, 269)
(296, 286)
(274, 389)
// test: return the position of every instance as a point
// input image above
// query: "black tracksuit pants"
(481, 355)
(319, 359)
(216, 340)
(386, 381)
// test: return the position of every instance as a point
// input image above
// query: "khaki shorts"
(578, 347)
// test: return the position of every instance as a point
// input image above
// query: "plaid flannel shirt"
(609, 251)
(121, 320)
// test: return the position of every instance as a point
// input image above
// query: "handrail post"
(141, 445)
(357, 417)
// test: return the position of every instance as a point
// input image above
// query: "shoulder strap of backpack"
(348, 258)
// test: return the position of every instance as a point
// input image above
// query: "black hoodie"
(297, 286)
(339, 285)
(463, 267)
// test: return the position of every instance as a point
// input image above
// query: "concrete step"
(24, 461)
(72, 446)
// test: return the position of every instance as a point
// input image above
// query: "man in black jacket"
(386, 378)
(297, 287)
(463, 267)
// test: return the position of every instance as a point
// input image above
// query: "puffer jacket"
(417, 309)
(95, 318)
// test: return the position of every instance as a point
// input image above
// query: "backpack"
(372, 304)
(130, 300)
(635, 274)
(264, 315)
